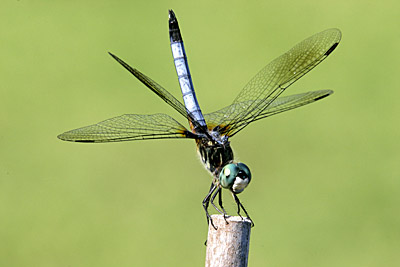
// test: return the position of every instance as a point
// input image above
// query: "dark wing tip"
(330, 50)
(120, 61)
(328, 93)
(75, 140)
(113, 56)
(123, 63)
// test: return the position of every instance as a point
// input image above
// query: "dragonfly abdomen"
(182, 69)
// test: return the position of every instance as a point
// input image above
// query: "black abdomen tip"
(174, 32)
(171, 15)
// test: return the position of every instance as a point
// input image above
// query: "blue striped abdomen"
(182, 69)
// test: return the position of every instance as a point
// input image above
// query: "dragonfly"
(260, 98)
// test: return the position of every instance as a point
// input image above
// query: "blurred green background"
(325, 189)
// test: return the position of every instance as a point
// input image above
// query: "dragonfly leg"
(240, 206)
(220, 202)
(221, 205)
(206, 203)
(223, 212)
(218, 191)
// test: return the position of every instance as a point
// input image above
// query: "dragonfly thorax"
(217, 156)
(217, 137)
(214, 152)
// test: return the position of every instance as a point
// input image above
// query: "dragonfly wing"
(279, 105)
(129, 127)
(273, 79)
(285, 103)
(158, 90)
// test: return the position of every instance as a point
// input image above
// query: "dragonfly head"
(235, 176)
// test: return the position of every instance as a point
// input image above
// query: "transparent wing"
(273, 79)
(129, 127)
(279, 105)
(158, 90)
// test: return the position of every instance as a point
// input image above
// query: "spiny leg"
(206, 203)
(239, 205)
(220, 202)
(219, 193)
(212, 200)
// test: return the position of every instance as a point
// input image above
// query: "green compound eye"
(235, 177)
(228, 175)
(244, 171)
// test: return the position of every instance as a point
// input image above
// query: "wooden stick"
(229, 244)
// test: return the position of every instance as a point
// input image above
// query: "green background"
(325, 189)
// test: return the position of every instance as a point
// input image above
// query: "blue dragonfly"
(211, 132)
